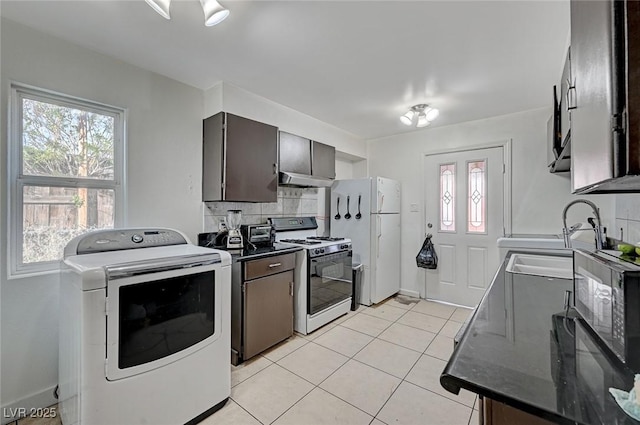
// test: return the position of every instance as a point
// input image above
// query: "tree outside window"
(68, 172)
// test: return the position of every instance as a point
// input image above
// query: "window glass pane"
(447, 197)
(477, 197)
(52, 216)
(63, 141)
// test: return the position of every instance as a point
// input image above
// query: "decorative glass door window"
(447, 197)
(477, 196)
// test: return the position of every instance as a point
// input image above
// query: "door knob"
(429, 225)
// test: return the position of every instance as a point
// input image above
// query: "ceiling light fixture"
(424, 113)
(214, 12)
(160, 6)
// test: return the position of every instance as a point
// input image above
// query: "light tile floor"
(379, 365)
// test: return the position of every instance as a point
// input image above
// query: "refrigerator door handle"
(379, 235)
(380, 201)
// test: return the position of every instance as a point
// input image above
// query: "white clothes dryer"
(144, 329)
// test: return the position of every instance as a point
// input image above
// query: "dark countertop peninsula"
(522, 350)
(259, 252)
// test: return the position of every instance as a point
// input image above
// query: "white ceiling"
(357, 65)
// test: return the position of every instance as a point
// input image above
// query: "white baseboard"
(13, 411)
(451, 304)
(407, 292)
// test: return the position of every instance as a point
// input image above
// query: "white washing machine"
(144, 329)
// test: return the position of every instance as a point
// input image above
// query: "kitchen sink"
(541, 265)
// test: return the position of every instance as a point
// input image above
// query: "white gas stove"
(323, 286)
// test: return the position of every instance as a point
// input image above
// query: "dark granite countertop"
(260, 252)
(520, 348)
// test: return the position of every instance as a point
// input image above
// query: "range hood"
(304, 162)
(295, 179)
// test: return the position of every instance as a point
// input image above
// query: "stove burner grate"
(301, 241)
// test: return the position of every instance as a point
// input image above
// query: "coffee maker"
(234, 238)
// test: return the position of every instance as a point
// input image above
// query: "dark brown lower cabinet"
(261, 305)
(496, 413)
(268, 316)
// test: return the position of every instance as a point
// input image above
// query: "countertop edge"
(449, 382)
(258, 256)
(454, 384)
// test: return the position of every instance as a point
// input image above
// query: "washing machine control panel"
(120, 239)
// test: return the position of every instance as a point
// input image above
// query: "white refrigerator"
(367, 211)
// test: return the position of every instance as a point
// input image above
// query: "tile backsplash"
(627, 218)
(292, 202)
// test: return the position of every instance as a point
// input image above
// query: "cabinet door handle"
(275, 168)
(570, 85)
(274, 265)
(291, 288)
(571, 100)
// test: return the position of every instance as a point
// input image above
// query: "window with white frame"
(67, 171)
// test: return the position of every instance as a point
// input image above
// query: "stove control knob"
(345, 246)
(136, 238)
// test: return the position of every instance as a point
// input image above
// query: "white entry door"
(465, 214)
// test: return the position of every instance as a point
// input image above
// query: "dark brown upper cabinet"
(239, 159)
(604, 101)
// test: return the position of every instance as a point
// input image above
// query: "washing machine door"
(160, 311)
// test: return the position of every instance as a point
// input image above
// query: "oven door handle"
(120, 271)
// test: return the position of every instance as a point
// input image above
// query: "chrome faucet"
(568, 231)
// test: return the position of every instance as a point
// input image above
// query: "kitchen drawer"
(268, 266)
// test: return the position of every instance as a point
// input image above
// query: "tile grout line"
(253, 374)
(417, 360)
(401, 379)
(297, 401)
(249, 413)
(341, 366)
(283, 343)
(438, 394)
(423, 353)
(410, 369)
(318, 385)
(377, 337)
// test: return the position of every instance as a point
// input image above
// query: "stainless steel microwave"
(607, 296)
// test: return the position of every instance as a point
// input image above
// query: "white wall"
(344, 169)
(350, 150)
(627, 218)
(350, 166)
(538, 196)
(163, 180)
(164, 135)
(213, 100)
(246, 104)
